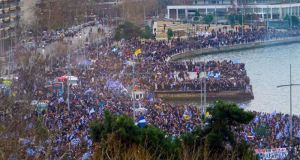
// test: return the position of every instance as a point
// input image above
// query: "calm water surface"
(268, 68)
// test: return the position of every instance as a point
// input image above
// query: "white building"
(263, 9)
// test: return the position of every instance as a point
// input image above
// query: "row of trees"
(238, 19)
(57, 14)
(118, 137)
(129, 30)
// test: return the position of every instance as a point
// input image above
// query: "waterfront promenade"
(236, 47)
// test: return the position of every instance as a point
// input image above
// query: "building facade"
(262, 9)
(9, 17)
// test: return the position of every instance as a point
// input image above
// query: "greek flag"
(30, 152)
(142, 122)
(92, 111)
(114, 50)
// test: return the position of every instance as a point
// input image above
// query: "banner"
(275, 153)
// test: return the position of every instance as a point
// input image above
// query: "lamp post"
(132, 63)
(290, 15)
(291, 111)
(69, 74)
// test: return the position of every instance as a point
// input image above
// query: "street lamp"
(291, 111)
(132, 63)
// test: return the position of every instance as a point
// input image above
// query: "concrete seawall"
(183, 95)
(238, 47)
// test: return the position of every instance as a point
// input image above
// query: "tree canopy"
(211, 140)
(234, 19)
(170, 34)
(208, 19)
(293, 20)
(127, 30)
(124, 130)
(225, 116)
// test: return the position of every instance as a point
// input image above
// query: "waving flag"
(114, 50)
(137, 52)
(92, 111)
(142, 122)
(187, 115)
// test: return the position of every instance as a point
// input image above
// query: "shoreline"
(181, 95)
(237, 47)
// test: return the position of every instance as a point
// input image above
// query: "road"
(77, 42)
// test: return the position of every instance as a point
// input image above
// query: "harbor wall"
(237, 47)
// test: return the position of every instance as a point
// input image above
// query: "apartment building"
(9, 17)
(263, 9)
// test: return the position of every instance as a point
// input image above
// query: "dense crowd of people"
(50, 36)
(105, 83)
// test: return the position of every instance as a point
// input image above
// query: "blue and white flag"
(114, 50)
(92, 111)
(75, 141)
(86, 156)
(298, 134)
(279, 135)
(142, 122)
(88, 91)
(114, 85)
(30, 152)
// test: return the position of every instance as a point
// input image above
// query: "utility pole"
(133, 85)
(243, 9)
(144, 11)
(69, 74)
(290, 15)
(203, 92)
(291, 111)
(205, 75)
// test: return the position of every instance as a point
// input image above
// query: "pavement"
(78, 41)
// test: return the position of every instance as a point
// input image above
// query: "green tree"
(41, 130)
(235, 18)
(118, 136)
(127, 30)
(293, 20)
(123, 130)
(219, 132)
(197, 16)
(208, 19)
(170, 34)
(225, 116)
(147, 33)
(231, 19)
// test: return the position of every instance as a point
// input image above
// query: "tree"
(225, 116)
(58, 14)
(134, 11)
(293, 20)
(147, 33)
(121, 129)
(223, 127)
(127, 30)
(197, 16)
(208, 19)
(118, 136)
(235, 18)
(170, 34)
(231, 19)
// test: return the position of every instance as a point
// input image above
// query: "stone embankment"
(238, 47)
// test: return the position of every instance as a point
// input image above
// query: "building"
(259, 9)
(9, 18)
